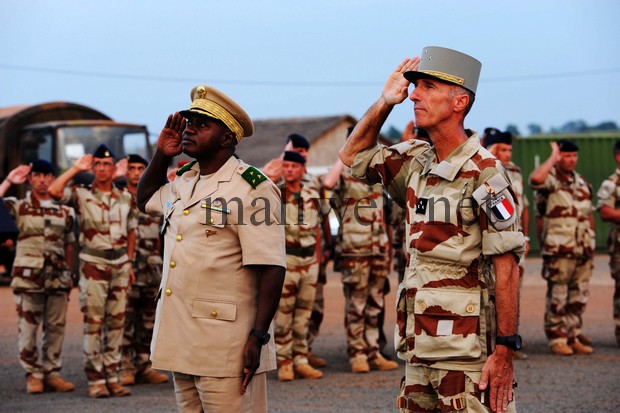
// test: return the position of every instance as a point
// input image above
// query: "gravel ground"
(546, 383)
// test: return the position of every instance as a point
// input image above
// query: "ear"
(229, 140)
(460, 102)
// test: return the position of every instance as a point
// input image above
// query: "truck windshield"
(76, 141)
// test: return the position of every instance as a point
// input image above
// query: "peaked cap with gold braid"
(210, 102)
(449, 66)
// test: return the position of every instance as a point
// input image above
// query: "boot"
(118, 390)
(580, 348)
(584, 339)
(57, 383)
(98, 391)
(381, 364)
(561, 349)
(285, 372)
(306, 371)
(316, 361)
(34, 385)
(152, 377)
(127, 378)
(359, 364)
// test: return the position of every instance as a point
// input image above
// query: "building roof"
(270, 135)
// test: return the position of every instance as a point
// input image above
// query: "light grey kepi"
(449, 66)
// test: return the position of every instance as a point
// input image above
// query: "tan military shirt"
(104, 218)
(566, 200)
(44, 231)
(360, 209)
(445, 316)
(609, 195)
(215, 227)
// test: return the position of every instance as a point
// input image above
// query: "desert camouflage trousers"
(138, 330)
(103, 299)
(293, 315)
(34, 309)
(363, 283)
(440, 391)
(614, 264)
(568, 289)
(318, 308)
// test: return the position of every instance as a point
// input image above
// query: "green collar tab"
(253, 176)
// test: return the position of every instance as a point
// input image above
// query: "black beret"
(135, 158)
(298, 141)
(493, 136)
(294, 157)
(42, 166)
(103, 152)
(617, 146)
(567, 145)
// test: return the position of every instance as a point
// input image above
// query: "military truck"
(60, 132)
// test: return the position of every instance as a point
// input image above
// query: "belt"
(302, 251)
(111, 254)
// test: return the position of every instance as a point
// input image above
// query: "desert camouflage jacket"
(565, 203)
(302, 215)
(516, 180)
(609, 195)
(445, 307)
(148, 259)
(44, 232)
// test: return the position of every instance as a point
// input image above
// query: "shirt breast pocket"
(212, 217)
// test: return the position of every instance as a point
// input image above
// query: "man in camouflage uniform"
(302, 229)
(41, 274)
(107, 240)
(462, 236)
(363, 258)
(142, 295)
(500, 145)
(609, 208)
(564, 200)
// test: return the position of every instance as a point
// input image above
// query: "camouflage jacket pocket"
(447, 324)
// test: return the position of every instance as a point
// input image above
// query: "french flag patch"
(501, 208)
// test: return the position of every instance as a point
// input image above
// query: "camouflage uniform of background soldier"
(41, 275)
(609, 207)
(107, 240)
(564, 200)
(362, 256)
(302, 228)
(142, 295)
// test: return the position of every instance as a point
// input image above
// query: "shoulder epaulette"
(253, 176)
(185, 168)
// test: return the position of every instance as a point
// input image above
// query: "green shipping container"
(596, 162)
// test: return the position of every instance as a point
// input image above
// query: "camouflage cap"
(103, 151)
(210, 102)
(448, 66)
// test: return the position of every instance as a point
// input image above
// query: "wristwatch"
(513, 342)
(263, 336)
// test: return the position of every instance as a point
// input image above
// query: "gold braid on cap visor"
(210, 108)
(445, 76)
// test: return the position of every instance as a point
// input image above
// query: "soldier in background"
(142, 295)
(41, 274)
(107, 240)
(302, 228)
(500, 145)
(609, 208)
(363, 258)
(567, 248)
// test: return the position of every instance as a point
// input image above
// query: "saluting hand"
(556, 156)
(85, 163)
(18, 175)
(169, 142)
(396, 87)
(120, 169)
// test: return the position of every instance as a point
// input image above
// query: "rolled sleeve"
(498, 243)
(362, 162)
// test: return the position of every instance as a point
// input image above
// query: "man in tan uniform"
(609, 207)
(463, 238)
(107, 241)
(302, 229)
(564, 200)
(224, 259)
(41, 274)
(142, 295)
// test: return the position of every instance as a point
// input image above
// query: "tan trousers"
(196, 394)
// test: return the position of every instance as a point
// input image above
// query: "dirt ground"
(547, 383)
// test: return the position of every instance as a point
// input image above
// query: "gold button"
(470, 308)
(186, 212)
(203, 205)
(173, 264)
(168, 292)
(179, 237)
(211, 221)
(422, 306)
(213, 313)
